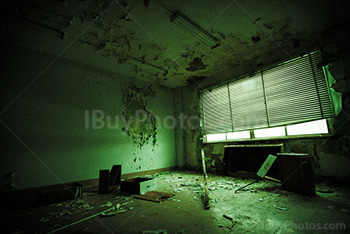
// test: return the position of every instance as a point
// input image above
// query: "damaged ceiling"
(139, 40)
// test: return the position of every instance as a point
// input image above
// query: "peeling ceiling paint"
(141, 35)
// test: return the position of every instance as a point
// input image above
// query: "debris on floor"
(233, 223)
(86, 206)
(80, 201)
(122, 197)
(117, 209)
(80, 221)
(263, 208)
(155, 196)
(228, 217)
(108, 204)
(112, 212)
(43, 219)
(281, 208)
(159, 231)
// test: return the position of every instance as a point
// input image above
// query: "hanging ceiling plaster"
(139, 34)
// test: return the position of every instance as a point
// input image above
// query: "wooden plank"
(206, 191)
(155, 196)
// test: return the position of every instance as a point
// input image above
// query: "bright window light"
(313, 127)
(270, 132)
(216, 137)
(238, 135)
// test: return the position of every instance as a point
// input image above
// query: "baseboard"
(27, 197)
(149, 172)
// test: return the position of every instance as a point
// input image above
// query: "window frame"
(286, 136)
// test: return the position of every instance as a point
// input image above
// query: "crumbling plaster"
(143, 38)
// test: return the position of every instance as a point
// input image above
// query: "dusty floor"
(261, 208)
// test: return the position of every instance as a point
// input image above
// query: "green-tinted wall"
(53, 145)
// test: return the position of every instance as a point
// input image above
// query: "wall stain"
(138, 121)
(196, 64)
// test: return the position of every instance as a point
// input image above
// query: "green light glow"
(308, 128)
(216, 137)
(238, 135)
(313, 127)
(270, 132)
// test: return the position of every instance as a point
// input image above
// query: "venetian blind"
(292, 92)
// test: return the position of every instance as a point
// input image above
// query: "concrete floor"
(261, 208)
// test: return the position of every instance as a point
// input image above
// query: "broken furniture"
(115, 175)
(108, 180)
(296, 173)
(266, 166)
(249, 158)
(262, 171)
(138, 185)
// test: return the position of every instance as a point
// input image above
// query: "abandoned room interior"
(160, 116)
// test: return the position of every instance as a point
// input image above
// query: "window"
(290, 99)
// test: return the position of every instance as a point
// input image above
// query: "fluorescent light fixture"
(312, 127)
(270, 132)
(238, 135)
(186, 23)
(216, 137)
(150, 67)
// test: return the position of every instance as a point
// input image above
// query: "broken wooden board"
(155, 196)
(206, 191)
(266, 165)
(138, 185)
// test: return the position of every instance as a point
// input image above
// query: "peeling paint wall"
(330, 155)
(48, 135)
(138, 121)
(144, 39)
(191, 137)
